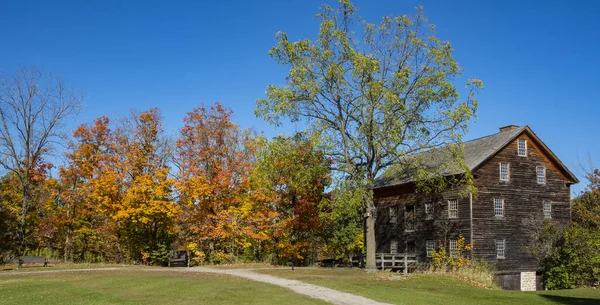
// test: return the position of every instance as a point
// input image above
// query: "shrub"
(454, 260)
(160, 256)
(576, 261)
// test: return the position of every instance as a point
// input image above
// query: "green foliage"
(375, 93)
(160, 256)
(586, 207)
(291, 175)
(342, 231)
(576, 263)
(571, 257)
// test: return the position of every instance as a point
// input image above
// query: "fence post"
(405, 263)
(382, 262)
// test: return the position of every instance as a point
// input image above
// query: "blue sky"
(538, 59)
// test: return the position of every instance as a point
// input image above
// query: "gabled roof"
(476, 153)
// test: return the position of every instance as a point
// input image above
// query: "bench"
(33, 259)
(330, 262)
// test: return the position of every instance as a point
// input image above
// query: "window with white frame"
(453, 247)
(498, 207)
(541, 174)
(522, 148)
(393, 214)
(453, 208)
(500, 248)
(429, 247)
(394, 246)
(547, 209)
(428, 211)
(504, 171)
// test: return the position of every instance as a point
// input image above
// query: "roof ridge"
(494, 134)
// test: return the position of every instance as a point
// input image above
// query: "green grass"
(141, 287)
(430, 289)
(60, 266)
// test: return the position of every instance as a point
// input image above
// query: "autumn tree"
(33, 108)
(214, 158)
(10, 203)
(139, 197)
(376, 93)
(292, 173)
(90, 154)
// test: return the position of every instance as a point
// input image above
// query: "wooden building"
(518, 178)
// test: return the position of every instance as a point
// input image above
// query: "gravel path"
(314, 291)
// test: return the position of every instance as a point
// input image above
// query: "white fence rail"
(388, 261)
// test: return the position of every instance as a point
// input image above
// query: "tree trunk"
(23, 221)
(370, 231)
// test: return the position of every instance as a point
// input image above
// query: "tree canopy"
(375, 93)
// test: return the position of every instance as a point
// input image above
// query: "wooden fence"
(388, 261)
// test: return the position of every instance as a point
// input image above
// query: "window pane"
(522, 148)
(541, 174)
(453, 247)
(429, 211)
(504, 171)
(498, 207)
(547, 209)
(429, 247)
(500, 248)
(453, 208)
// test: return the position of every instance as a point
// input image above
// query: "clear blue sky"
(538, 59)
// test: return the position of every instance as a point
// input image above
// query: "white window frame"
(393, 211)
(524, 150)
(452, 247)
(541, 179)
(429, 247)
(500, 248)
(547, 211)
(429, 211)
(452, 208)
(507, 172)
(499, 209)
(393, 246)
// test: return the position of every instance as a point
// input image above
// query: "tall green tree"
(292, 173)
(376, 93)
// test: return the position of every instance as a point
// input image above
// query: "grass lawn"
(141, 287)
(430, 289)
(60, 266)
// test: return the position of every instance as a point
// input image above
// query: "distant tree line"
(127, 192)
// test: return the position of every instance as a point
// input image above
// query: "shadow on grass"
(570, 300)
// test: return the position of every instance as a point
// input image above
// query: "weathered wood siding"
(440, 229)
(523, 198)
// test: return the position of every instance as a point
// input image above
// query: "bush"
(160, 256)
(576, 261)
(458, 265)
(454, 260)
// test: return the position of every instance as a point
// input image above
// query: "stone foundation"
(528, 281)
